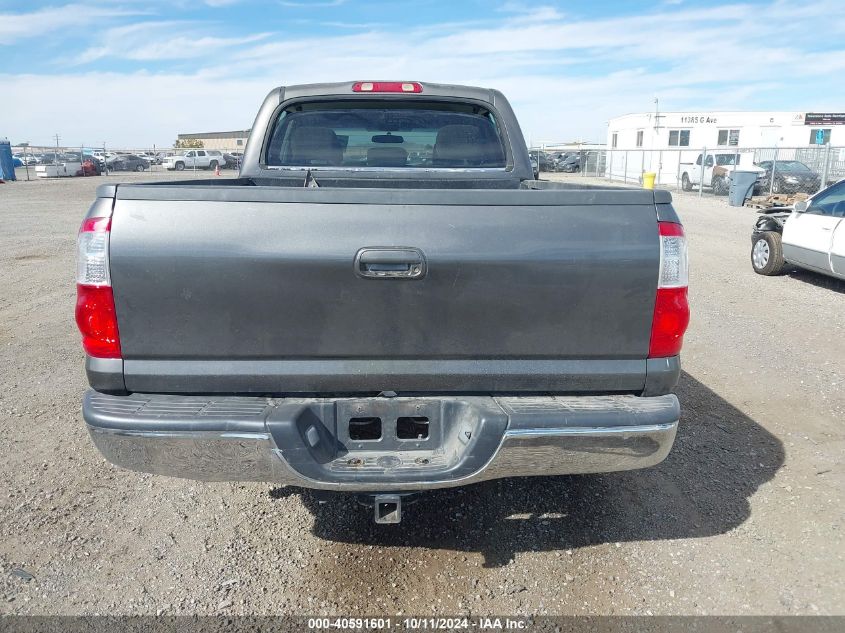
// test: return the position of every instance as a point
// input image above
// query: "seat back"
(464, 145)
(314, 146)
(387, 157)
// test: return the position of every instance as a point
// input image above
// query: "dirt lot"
(744, 517)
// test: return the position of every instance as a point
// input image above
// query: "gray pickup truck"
(384, 301)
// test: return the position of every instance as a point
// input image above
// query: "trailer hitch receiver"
(388, 508)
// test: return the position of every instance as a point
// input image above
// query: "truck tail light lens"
(387, 86)
(671, 309)
(92, 252)
(95, 313)
(97, 321)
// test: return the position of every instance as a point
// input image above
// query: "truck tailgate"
(281, 290)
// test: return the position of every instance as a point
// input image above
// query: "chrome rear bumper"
(259, 439)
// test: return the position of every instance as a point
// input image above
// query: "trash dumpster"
(742, 182)
(7, 166)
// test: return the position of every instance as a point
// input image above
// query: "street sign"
(824, 118)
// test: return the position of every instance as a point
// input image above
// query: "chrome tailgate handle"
(390, 263)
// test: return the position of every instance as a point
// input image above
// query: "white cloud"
(19, 26)
(148, 41)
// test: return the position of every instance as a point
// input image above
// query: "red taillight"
(671, 309)
(387, 86)
(670, 229)
(93, 225)
(97, 321)
(671, 317)
(95, 313)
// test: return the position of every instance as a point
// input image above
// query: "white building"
(674, 130)
(662, 142)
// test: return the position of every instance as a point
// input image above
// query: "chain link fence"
(119, 158)
(781, 170)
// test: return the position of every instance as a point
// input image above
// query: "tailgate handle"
(390, 263)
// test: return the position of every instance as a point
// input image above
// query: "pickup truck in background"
(195, 158)
(383, 302)
(717, 170)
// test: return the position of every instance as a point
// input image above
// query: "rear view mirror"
(387, 138)
(800, 206)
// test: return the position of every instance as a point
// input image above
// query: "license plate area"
(403, 424)
(378, 441)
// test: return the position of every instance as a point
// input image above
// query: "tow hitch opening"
(388, 508)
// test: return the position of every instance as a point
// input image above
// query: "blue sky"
(137, 72)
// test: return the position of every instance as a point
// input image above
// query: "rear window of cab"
(389, 134)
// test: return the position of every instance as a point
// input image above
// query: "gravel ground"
(744, 517)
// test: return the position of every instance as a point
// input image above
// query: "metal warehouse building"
(662, 142)
(235, 140)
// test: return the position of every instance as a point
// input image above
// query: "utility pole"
(657, 115)
(56, 155)
(26, 159)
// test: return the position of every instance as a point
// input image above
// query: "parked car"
(26, 159)
(231, 161)
(50, 158)
(569, 163)
(811, 235)
(151, 158)
(200, 158)
(396, 331)
(93, 165)
(717, 171)
(127, 162)
(544, 160)
(90, 165)
(790, 176)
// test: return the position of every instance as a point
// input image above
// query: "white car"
(811, 235)
(188, 159)
(718, 168)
